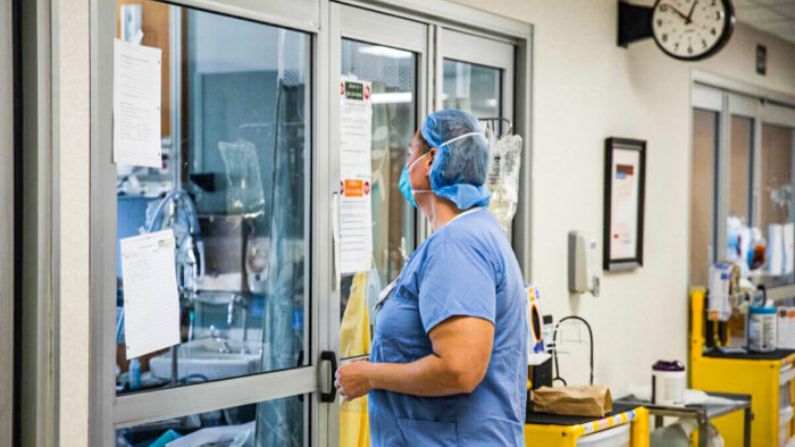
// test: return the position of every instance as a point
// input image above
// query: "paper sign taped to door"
(151, 298)
(356, 227)
(355, 208)
(136, 105)
(356, 135)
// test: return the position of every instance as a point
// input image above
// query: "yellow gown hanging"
(355, 341)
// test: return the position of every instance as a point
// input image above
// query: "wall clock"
(687, 30)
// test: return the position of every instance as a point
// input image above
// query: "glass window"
(776, 200)
(234, 187)
(275, 423)
(740, 168)
(744, 241)
(392, 73)
(474, 88)
(702, 193)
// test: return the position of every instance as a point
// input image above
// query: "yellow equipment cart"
(767, 377)
(549, 430)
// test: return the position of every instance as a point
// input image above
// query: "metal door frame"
(512, 58)
(447, 16)
(7, 217)
(730, 98)
(351, 22)
(108, 411)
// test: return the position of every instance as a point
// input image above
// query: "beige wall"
(71, 214)
(585, 89)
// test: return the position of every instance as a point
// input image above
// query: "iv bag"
(505, 159)
(244, 184)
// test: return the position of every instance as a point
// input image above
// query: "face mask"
(405, 183)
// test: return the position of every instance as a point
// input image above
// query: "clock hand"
(678, 12)
(689, 20)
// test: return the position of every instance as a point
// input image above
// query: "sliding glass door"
(231, 197)
(250, 190)
(477, 75)
(408, 68)
(742, 202)
(387, 55)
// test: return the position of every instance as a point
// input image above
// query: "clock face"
(692, 29)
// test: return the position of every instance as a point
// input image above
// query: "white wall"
(586, 89)
(71, 193)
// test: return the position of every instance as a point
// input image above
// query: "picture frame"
(624, 202)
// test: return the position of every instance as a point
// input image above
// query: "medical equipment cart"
(767, 377)
(625, 422)
(701, 413)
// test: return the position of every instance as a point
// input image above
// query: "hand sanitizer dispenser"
(584, 268)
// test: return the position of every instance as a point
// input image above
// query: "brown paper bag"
(573, 400)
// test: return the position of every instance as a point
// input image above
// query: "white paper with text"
(136, 105)
(151, 298)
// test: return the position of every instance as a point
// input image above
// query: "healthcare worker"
(448, 365)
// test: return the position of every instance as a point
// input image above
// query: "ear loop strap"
(452, 140)
(415, 191)
(460, 137)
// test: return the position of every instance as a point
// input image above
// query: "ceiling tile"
(785, 9)
(777, 27)
(757, 14)
(771, 2)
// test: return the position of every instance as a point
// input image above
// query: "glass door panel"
(702, 193)
(392, 73)
(744, 241)
(390, 53)
(471, 87)
(740, 168)
(234, 189)
(776, 213)
(387, 52)
(477, 76)
(244, 425)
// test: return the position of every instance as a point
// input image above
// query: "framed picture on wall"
(625, 180)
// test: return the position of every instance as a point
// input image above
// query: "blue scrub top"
(466, 268)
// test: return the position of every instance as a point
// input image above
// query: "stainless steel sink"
(211, 358)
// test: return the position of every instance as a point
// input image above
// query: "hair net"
(459, 169)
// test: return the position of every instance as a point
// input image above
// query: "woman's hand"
(352, 380)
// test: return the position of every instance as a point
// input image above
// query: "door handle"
(328, 368)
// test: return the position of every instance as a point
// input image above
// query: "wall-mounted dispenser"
(584, 267)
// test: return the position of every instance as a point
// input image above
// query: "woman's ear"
(431, 156)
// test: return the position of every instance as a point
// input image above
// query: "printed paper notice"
(356, 119)
(136, 105)
(151, 300)
(356, 229)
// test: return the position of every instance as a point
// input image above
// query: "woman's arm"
(461, 352)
